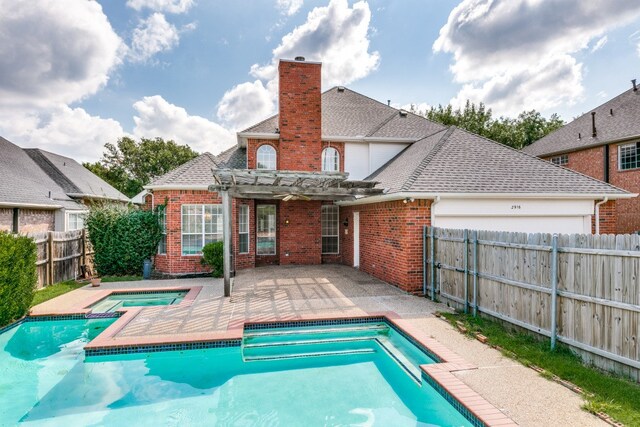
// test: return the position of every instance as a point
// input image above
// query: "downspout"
(602, 202)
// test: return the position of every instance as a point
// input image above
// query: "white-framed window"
(266, 157)
(201, 224)
(330, 234)
(266, 230)
(560, 160)
(243, 229)
(330, 160)
(75, 220)
(629, 156)
(162, 218)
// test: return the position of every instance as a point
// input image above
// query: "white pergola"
(280, 185)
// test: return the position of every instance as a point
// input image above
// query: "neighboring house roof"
(346, 113)
(24, 184)
(616, 120)
(138, 199)
(457, 161)
(196, 173)
(76, 180)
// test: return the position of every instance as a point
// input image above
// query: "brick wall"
(6, 219)
(608, 218)
(390, 241)
(591, 162)
(252, 149)
(29, 220)
(174, 262)
(300, 232)
(300, 115)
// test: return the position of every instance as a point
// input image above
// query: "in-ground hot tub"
(115, 301)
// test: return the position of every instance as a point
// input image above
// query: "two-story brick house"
(337, 177)
(604, 143)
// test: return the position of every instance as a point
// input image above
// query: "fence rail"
(581, 290)
(61, 256)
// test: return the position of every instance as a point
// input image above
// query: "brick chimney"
(300, 120)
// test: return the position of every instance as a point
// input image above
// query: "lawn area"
(617, 397)
(55, 290)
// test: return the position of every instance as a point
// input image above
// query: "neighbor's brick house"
(42, 191)
(604, 144)
(430, 174)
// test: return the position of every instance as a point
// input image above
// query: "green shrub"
(212, 255)
(122, 238)
(18, 276)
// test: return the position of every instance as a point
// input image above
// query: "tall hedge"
(122, 238)
(18, 276)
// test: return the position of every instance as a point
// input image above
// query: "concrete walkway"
(284, 293)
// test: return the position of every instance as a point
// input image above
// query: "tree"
(527, 128)
(128, 165)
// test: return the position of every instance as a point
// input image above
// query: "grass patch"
(108, 279)
(617, 397)
(55, 290)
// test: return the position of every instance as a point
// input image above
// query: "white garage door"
(529, 216)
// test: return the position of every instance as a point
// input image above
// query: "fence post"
(84, 250)
(554, 289)
(433, 264)
(50, 259)
(475, 273)
(424, 260)
(465, 237)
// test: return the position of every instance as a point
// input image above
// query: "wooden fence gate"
(61, 256)
(582, 290)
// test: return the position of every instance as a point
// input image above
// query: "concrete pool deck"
(327, 291)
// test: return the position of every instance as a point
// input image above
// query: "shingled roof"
(23, 183)
(457, 161)
(75, 179)
(616, 120)
(197, 172)
(346, 113)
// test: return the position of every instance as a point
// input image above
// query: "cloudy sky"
(75, 74)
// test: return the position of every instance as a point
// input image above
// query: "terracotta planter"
(95, 282)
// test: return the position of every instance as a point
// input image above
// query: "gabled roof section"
(75, 179)
(196, 173)
(346, 113)
(616, 120)
(457, 161)
(23, 183)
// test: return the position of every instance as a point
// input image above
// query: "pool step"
(305, 342)
(309, 354)
(300, 334)
(410, 367)
(307, 346)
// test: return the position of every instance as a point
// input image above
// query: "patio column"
(226, 237)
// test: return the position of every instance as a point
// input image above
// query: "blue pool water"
(113, 302)
(336, 375)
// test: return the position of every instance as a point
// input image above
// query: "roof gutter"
(177, 187)
(598, 144)
(29, 206)
(389, 197)
(244, 136)
(95, 196)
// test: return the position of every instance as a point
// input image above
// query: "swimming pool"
(119, 300)
(348, 374)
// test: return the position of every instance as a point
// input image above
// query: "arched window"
(330, 160)
(266, 157)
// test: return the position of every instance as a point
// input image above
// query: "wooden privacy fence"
(61, 255)
(581, 290)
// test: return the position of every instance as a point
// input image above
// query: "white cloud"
(519, 53)
(599, 44)
(157, 117)
(289, 7)
(54, 52)
(635, 39)
(63, 130)
(170, 6)
(153, 35)
(246, 104)
(337, 35)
